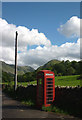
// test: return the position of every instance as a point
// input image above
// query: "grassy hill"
(48, 65)
(20, 69)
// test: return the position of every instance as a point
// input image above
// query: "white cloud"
(7, 54)
(32, 37)
(71, 27)
(38, 56)
(25, 36)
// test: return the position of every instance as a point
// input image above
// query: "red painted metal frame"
(46, 74)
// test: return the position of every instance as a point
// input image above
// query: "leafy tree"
(60, 68)
(67, 63)
(27, 77)
(70, 71)
(76, 66)
(7, 77)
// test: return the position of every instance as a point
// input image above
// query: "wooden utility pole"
(15, 81)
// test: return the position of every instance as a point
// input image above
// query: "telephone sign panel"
(45, 88)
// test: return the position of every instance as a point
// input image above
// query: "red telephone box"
(45, 88)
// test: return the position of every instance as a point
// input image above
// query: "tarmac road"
(14, 109)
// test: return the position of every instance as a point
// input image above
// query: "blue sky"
(46, 31)
(46, 17)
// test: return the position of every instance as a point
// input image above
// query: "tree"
(60, 68)
(70, 71)
(76, 66)
(7, 77)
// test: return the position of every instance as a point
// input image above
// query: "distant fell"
(20, 69)
(48, 65)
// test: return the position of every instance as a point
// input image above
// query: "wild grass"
(54, 109)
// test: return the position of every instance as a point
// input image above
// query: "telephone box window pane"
(49, 85)
(51, 95)
(49, 82)
(50, 92)
(50, 98)
(49, 88)
(40, 81)
(49, 102)
(49, 79)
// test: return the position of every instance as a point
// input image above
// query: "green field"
(67, 80)
(59, 81)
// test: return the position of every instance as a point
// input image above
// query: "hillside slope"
(48, 65)
(20, 69)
